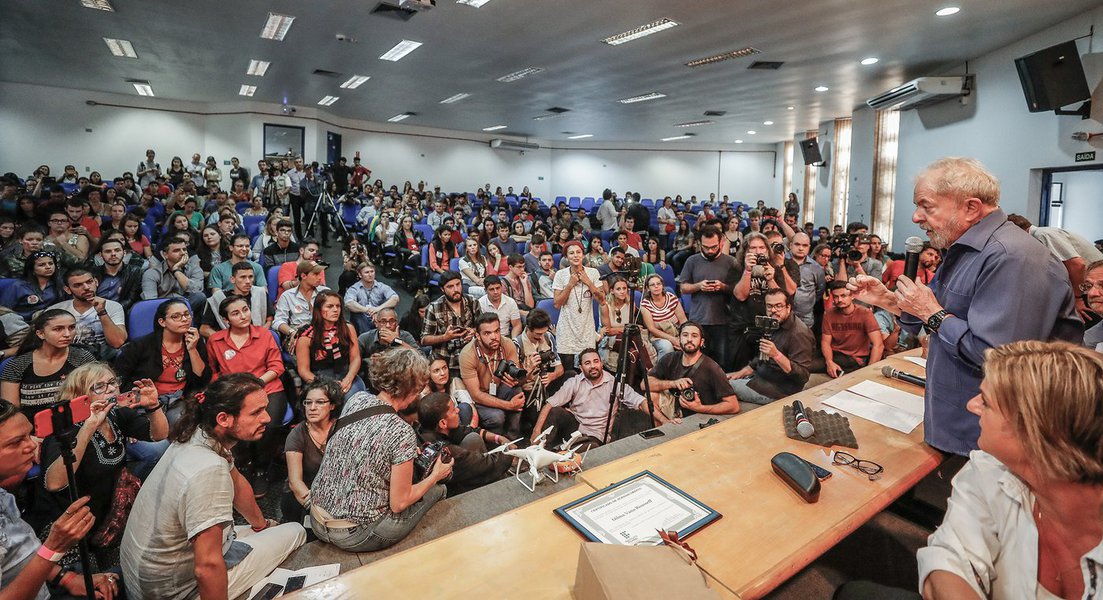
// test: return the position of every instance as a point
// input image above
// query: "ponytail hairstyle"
(32, 342)
(225, 395)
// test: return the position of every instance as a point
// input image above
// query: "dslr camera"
(757, 270)
(843, 246)
(547, 357)
(685, 395)
(425, 459)
(509, 368)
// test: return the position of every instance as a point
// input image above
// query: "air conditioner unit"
(500, 144)
(920, 92)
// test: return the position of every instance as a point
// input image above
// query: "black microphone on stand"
(913, 246)
(892, 373)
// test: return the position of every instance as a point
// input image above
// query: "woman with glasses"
(327, 348)
(31, 380)
(101, 468)
(171, 356)
(306, 444)
(40, 287)
(662, 315)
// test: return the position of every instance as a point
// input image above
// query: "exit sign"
(1085, 156)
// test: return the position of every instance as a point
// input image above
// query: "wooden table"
(766, 535)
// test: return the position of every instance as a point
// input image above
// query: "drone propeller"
(503, 447)
(567, 442)
(544, 434)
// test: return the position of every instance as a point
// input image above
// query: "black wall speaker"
(810, 149)
(1053, 77)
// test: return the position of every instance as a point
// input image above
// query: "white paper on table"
(905, 401)
(915, 359)
(875, 411)
(313, 575)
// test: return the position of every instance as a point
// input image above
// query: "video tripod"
(631, 344)
(326, 201)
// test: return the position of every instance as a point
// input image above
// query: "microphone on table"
(892, 373)
(913, 246)
(804, 426)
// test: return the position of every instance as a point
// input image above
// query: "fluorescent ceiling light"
(473, 3)
(639, 32)
(739, 141)
(98, 5)
(767, 122)
(143, 89)
(514, 76)
(355, 81)
(822, 88)
(693, 123)
(790, 107)
(580, 136)
(329, 100)
(456, 98)
(677, 137)
(247, 90)
(494, 128)
(400, 50)
(276, 27)
(548, 116)
(869, 61)
(708, 60)
(257, 67)
(400, 117)
(751, 132)
(949, 10)
(642, 98)
(121, 48)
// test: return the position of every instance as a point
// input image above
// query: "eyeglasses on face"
(1088, 285)
(870, 468)
(309, 403)
(103, 387)
(179, 317)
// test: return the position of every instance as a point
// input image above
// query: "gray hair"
(400, 372)
(960, 178)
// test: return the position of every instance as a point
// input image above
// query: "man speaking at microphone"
(996, 285)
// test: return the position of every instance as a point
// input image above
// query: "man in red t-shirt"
(928, 259)
(851, 337)
(360, 173)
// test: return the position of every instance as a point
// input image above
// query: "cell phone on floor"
(294, 583)
(651, 433)
(268, 592)
(821, 473)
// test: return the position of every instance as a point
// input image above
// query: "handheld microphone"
(913, 246)
(804, 426)
(892, 373)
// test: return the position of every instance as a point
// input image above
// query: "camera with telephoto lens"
(757, 270)
(843, 246)
(510, 369)
(423, 463)
(778, 248)
(765, 328)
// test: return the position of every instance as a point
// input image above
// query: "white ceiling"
(199, 50)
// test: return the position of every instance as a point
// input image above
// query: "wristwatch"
(935, 321)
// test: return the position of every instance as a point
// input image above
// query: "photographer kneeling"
(688, 382)
(491, 374)
(364, 497)
(440, 424)
(784, 356)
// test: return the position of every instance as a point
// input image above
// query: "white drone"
(538, 458)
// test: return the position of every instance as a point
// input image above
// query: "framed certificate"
(630, 512)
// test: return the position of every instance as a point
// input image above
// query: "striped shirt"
(664, 313)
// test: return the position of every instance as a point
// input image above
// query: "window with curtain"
(809, 200)
(840, 174)
(885, 150)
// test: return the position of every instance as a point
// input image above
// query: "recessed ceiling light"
(276, 27)
(400, 50)
(329, 100)
(547, 117)
(693, 123)
(580, 136)
(639, 32)
(739, 141)
(121, 48)
(869, 61)
(790, 108)
(751, 132)
(708, 60)
(247, 90)
(355, 81)
(456, 98)
(822, 88)
(767, 122)
(143, 88)
(677, 137)
(257, 67)
(400, 117)
(949, 10)
(642, 98)
(494, 128)
(98, 5)
(514, 76)
(474, 3)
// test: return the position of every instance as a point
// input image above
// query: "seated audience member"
(928, 260)
(172, 356)
(364, 497)
(439, 417)
(595, 253)
(306, 444)
(449, 321)
(690, 369)
(212, 251)
(385, 336)
(518, 285)
(441, 381)
(442, 250)
(260, 309)
(473, 268)
(851, 336)
(353, 254)
(367, 297)
(71, 246)
(40, 287)
(532, 258)
(413, 322)
(174, 273)
(498, 400)
(1023, 518)
(534, 340)
(496, 263)
(504, 242)
(582, 405)
(101, 468)
(615, 263)
(328, 347)
(28, 565)
(661, 313)
(118, 280)
(220, 278)
(283, 248)
(101, 324)
(1092, 288)
(133, 237)
(543, 280)
(788, 354)
(287, 275)
(15, 256)
(244, 347)
(494, 301)
(32, 379)
(293, 309)
(180, 540)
